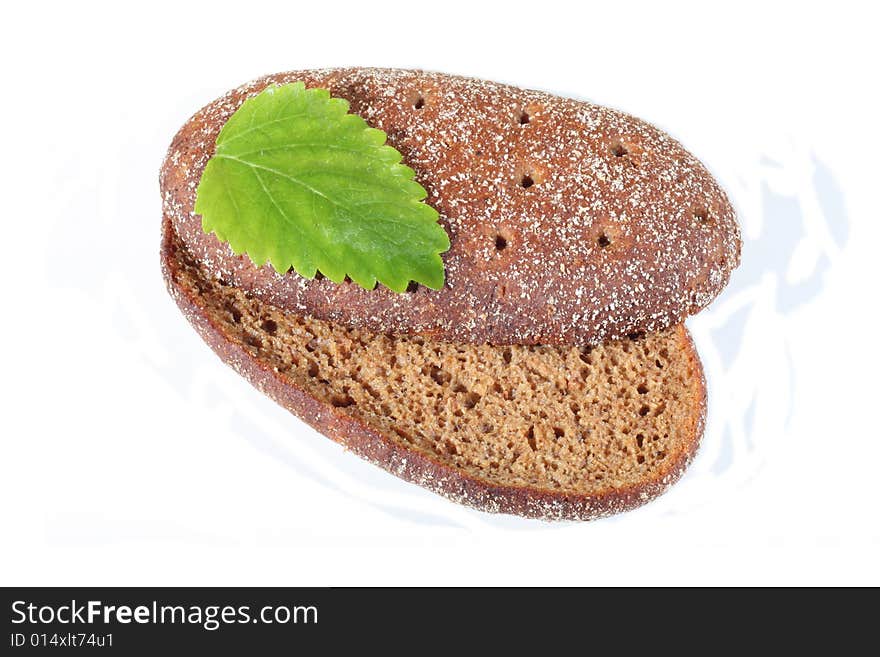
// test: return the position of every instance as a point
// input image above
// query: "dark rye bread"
(570, 223)
(538, 431)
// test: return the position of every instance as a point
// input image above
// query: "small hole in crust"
(420, 103)
(270, 326)
(702, 215)
(527, 181)
(412, 287)
(636, 335)
(524, 118)
(500, 242)
(618, 149)
(603, 241)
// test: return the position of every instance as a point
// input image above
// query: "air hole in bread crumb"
(470, 400)
(341, 401)
(500, 242)
(640, 458)
(507, 355)
(640, 440)
(530, 436)
(270, 326)
(603, 241)
(236, 314)
(524, 118)
(644, 410)
(439, 376)
(618, 149)
(584, 355)
(313, 369)
(526, 181)
(642, 389)
(558, 432)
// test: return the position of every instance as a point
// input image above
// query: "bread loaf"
(551, 376)
(570, 223)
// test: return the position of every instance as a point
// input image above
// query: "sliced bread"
(570, 223)
(553, 432)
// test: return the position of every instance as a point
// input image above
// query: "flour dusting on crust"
(570, 223)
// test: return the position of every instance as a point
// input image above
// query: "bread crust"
(621, 229)
(414, 466)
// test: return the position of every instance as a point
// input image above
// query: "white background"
(131, 455)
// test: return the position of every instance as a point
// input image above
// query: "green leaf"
(298, 182)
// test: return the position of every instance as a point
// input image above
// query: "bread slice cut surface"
(553, 432)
